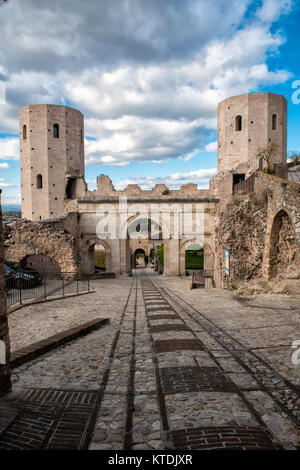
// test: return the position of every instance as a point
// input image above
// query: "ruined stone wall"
(105, 187)
(5, 384)
(57, 239)
(262, 231)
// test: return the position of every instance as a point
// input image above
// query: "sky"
(148, 76)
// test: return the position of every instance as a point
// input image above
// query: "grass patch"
(193, 261)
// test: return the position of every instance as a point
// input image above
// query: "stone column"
(5, 383)
(182, 263)
(115, 256)
(108, 262)
(171, 257)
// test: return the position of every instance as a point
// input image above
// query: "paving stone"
(177, 345)
(195, 390)
(193, 379)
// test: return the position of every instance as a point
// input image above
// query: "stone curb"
(21, 356)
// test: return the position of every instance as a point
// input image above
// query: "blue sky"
(147, 75)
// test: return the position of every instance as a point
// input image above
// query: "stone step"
(35, 350)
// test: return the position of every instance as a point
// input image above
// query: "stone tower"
(247, 123)
(51, 157)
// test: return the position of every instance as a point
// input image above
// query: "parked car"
(21, 278)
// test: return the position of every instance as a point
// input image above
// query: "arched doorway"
(99, 257)
(194, 257)
(140, 257)
(144, 236)
(283, 245)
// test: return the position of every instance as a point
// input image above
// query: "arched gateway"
(124, 221)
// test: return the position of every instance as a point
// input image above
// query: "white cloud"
(148, 75)
(169, 110)
(271, 10)
(4, 166)
(9, 148)
(212, 147)
(4, 184)
(194, 175)
(173, 181)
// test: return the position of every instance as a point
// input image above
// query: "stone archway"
(194, 256)
(208, 257)
(140, 257)
(139, 239)
(282, 245)
(102, 249)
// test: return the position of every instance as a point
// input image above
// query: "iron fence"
(21, 291)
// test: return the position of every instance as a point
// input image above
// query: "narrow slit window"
(56, 131)
(39, 181)
(274, 122)
(24, 132)
(238, 123)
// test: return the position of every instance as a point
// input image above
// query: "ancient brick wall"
(5, 384)
(56, 239)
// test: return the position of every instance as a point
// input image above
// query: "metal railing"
(20, 291)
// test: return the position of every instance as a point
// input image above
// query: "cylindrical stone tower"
(51, 157)
(246, 124)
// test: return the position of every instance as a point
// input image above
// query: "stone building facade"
(246, 124)
(5, 383)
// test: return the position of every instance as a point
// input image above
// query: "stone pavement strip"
(174, 369)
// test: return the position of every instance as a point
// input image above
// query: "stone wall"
(5, 384)
(57, 239)
(262, 231)
(105, 187)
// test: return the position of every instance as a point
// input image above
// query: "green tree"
(266, 153)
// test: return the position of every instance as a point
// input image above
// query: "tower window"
(274, 122)
(71, 188)
(56, 131)
(39, 181)
(81, 136)
(24, 132)
(238, 123)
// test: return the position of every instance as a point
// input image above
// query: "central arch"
(140, 257)
(140, 231)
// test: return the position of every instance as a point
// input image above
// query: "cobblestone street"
(174, 369)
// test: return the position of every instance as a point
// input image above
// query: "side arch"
(89, 266)
(282, 246)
